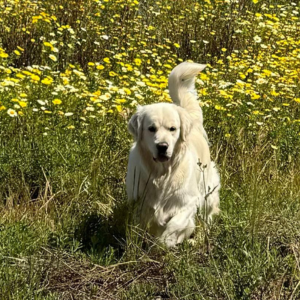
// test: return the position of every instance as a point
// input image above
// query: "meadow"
(72, 74)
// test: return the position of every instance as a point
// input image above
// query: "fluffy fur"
(170, 171)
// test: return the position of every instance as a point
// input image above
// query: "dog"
(170, 172)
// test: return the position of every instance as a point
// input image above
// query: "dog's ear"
(135, 125)
(185, 123)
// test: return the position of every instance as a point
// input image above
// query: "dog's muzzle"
(162, 152)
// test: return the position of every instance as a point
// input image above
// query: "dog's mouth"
(161, 158)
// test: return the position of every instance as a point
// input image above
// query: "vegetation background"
(72, 73)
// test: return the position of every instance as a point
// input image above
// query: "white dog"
(170, 171)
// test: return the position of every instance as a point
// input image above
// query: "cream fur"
(171, 187)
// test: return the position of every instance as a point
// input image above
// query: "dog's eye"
(152, 128)
(172, 128)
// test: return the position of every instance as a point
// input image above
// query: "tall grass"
(71, 74)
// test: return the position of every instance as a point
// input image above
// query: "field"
(72, 74)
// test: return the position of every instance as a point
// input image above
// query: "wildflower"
(47, 44)
(68, 114)
(138, 61)
(90, 108)
(127, 91)
(56, 101)
(261, 81)
(12, 112)
(119, 108)
(112, 74)
(22, 103)
(53, 57)
(48, 80)
(41, 102)
(35, 78)
(257, 39)
(3, 54)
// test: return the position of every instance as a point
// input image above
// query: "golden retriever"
(170, 171)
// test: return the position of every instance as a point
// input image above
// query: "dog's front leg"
(180, 227)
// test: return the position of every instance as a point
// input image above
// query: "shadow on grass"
(103, 237)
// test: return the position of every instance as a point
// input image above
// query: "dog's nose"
(162, 147)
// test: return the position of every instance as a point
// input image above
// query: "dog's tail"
(182, 89)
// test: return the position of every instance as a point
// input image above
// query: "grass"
(73, 239)
(71, 74)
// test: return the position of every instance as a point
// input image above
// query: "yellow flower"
(17, 52)
(100, 67)
(203, 76)
(255, 96)
(2, 107)
(48, 80)
(112, 74)
(120, 101)
(119, 108)
(19, 75)
(176, 45)
(127, 91)
(106, 60)
(35, 77)
(168, 66)
(22, 103)
(138, 61)
(3, 55)
(56, 101)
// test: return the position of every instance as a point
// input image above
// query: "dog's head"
(159, 128)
